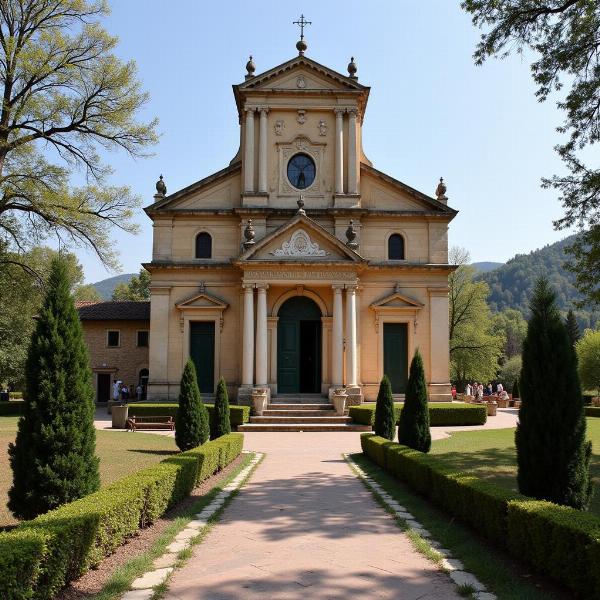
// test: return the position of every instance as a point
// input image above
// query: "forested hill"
(511, 284)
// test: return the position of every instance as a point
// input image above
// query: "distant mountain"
(512, 284)
(106, 287)
(486, 267)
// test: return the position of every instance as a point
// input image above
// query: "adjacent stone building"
(117, 337)
(299, 267)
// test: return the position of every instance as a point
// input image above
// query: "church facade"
(299, 267)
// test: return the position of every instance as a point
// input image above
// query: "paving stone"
(413, 524)
(464, 578)
(485, 596)
(422, 532)
(186, 534)
(138, 595)
(397, 507)
(197, 524)
(151, 579)
(168, 559)
(453, 564)
(177, 546)
(405, 515)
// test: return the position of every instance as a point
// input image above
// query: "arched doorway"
(299, 347)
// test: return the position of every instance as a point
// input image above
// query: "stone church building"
(299, 267)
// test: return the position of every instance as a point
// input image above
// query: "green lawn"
(120, 453)
(490, 454)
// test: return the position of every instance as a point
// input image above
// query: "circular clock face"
(301, 171)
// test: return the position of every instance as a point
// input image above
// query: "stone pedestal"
(119, 416)
(492, 408)
(260, 400)
(339, 399)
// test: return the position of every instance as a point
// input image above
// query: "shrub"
(191, 422)
(35, 559)
(14, 408)
(220, 424)
(53, 457)
(553, 456)
(592, 411)
(385, 417)
(413, 430)
(238, 415)
(374, 447)
(588, 355)
(440, 413)
(516, 393)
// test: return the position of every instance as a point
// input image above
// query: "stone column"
(262, 152)
(351, 362)
(337, 340)
(249, 152)
(339, 150)
(248, 336)
(261, 336)
(352, 153)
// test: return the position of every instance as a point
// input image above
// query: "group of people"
(121, 393)
(479, 391)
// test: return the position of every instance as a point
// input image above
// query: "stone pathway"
(304, 526)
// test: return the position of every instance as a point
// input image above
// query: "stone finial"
(250, 67)
(249, 235)
(440, 191)
(352, 68)
(301, 46)
(161, 188)
(300, 204)
(351, 236)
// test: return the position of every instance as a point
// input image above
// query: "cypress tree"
(413, 430)
(191, 422)
(53, 458)
(553, 455)
(220, 423)
(515, 389)
(385, 418)
(572, 327)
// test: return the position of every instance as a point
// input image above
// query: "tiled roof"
(114, 311)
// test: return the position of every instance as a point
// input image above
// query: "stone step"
(303, 419)
(279, 406)
(298, 413)
(299, 399)
(301, 427)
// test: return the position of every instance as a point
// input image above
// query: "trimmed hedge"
(440, 413)
(41, 556)
(592, 411)
(536, 531)
(237, 414)
(14, 408)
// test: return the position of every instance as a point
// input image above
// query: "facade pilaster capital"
(250, 110)
(339, 112)
(263, 110)
(262, 287)
(351, 288)
(352, 112)
(248, 287)
(337, 288)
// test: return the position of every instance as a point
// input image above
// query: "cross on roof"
(302, 22)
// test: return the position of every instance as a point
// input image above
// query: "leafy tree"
(137, 289)
(511, 325)
(588, 354)
(509, 373)
(53, 458)
(572, 327)
(191, 422)
(564, 35)
(86, 293)
(553, 455)
(385, 418)
(413, 429)
(474, 346)
(516, 392)
(66, 96)
(220, 423)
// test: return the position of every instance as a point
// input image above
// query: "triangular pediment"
(301, 73)
(202, 300)
(397, 300)
(300, 239)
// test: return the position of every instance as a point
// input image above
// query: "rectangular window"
(113, 339)
(142, 339)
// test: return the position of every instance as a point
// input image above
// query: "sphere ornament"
(301, 46)
(161, 187)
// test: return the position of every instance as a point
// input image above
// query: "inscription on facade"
(333, 275)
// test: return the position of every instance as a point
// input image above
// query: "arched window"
(396, 247)
(203, 245)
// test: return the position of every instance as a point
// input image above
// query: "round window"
(301, 171)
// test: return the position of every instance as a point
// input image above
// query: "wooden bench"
(158, 422)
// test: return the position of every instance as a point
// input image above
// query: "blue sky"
(431, 112)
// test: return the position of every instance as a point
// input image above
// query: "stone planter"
(491, 408)
(517, 403)
(119, 416)
(502, 402)
(259, 400)
(339, 399)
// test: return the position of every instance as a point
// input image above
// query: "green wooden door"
(202, 352)
(298, 363)
(395, 355)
